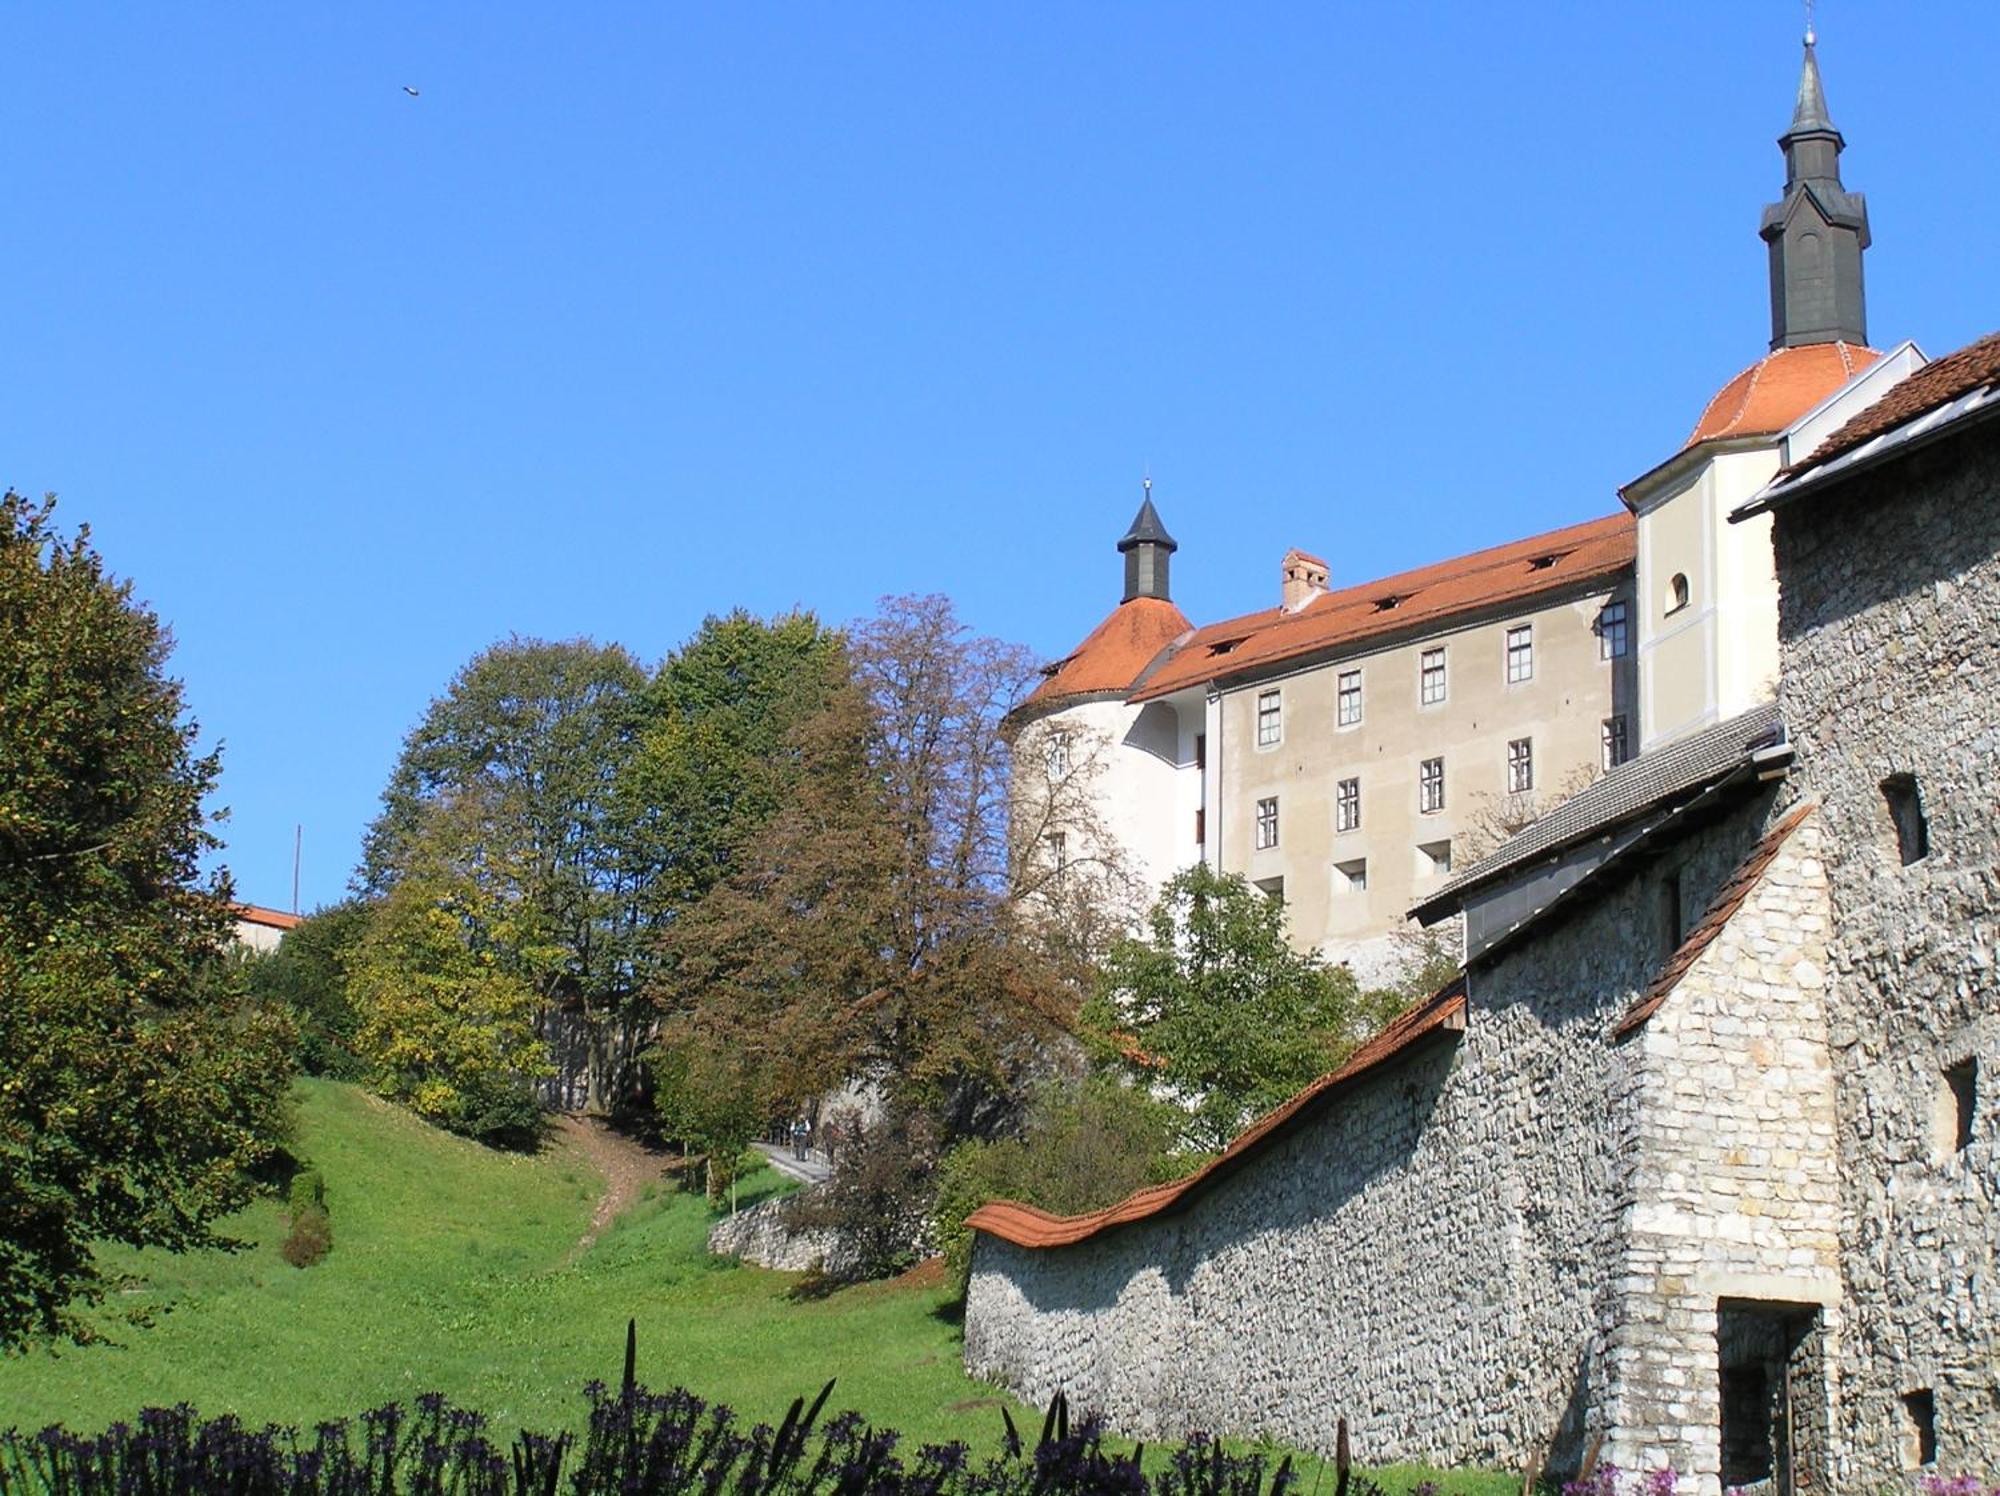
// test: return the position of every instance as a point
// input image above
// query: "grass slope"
(450, 1273)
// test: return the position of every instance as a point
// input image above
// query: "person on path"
(801, 1133)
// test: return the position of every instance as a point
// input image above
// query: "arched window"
(1677, 592)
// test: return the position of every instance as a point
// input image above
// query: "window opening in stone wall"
(1058, 754)
(1520, 766)
(1671, 914)
(1617, 741)
(1349, 699)
(1267, 823)
(1957, 1099)
(1433, 859)
(1351, 877)
(1430, 786)
(1059, 852)
(1677, 592)
(1769, 1363)
(1270, 718)
(1272, 889)
(1347, 805)
(1612, 636)
(1919, 1429)
(1906, 814)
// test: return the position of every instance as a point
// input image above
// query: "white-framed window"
(1520, 766)
(1347, 805)
(1520, 653)
(1059, 852)
(1617, 741)
(1430, 786)
(1430, 677)
(1613, 632)
(1270, 718)
(1057, 750)
(1267, 823)
(1348, 697)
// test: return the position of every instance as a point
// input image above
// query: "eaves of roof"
(1439, 1016)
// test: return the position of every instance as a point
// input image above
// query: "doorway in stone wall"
(1770, 1358)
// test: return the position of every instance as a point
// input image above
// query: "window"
(1201, 825)
(1430, 786)
(1433, 859)
(1520, 653)
(1520, 766)
(1058, 754)
(1267, 823)
(1957, 1097)
(1906, 814)
(1350, 698)
(1919, 1428)
(1272, 889)
(1612, 637)
(1347, 805)
(1430, 675)
(1270, 718)
(1351, 877)
(1677, 592)
(1059, 852)
(1617, 742)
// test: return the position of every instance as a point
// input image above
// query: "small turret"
(1817, 231)
(1146, 547)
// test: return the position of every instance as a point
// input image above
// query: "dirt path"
(628, 1168)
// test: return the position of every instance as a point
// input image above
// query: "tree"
(521, 754)
(137, 1087)
(447, 1015)
(1216, 1006)
(706, 1095)
(307, 977)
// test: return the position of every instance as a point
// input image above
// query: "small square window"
(1430, 786)
(1431, 677)
(1349, 714)
(1613, 638)
(1906, 814)
(1520, 653)
(1617, 741)
(1351, 877)
(1433, 859)
(1347, 805)
(1267, 823)
(1270, 718)
(1919, 1429)
(1272, 889)
(1520, 766)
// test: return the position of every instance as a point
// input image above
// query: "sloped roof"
(1779, 388)
(1390, 605)
(1728, 899)
(1635, 786)
(1975, 366)
(1114, 656)
(1025, 1226)
(256, 914)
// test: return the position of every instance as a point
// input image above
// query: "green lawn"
(450, 1272)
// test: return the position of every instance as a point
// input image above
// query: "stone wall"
(764, 1235)
(1440, 1255)
(1890, 600)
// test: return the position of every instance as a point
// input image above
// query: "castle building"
(1695, 1164)
(1350, 747)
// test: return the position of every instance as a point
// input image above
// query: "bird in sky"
(409, 90)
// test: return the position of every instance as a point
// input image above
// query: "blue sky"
(637, 313)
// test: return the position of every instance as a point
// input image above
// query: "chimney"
(1304, 579)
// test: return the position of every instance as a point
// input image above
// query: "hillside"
(449, 1273)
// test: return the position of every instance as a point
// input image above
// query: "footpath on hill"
(627, 1164)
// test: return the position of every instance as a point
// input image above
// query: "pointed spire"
(1809, 113)
(1817, 230)
(1146, 547)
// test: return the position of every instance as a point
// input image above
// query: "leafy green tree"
(521, 754)
(307, 977)
(708, 1097)
(1216, 1006)
(137, 1089)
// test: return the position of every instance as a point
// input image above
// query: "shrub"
(878, 1199)
(310, 1238)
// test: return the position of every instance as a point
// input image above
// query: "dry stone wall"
(1440, 1255)
(1888, 609)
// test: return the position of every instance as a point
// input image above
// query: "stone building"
(1694, 1164)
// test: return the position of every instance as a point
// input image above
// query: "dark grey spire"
(1817, 231)
(1146, 547)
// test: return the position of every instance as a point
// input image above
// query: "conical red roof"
(1112, 659)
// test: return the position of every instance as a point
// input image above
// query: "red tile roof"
(1112, 659)
(1728, 899)
(255, 914)
(1779, 388)
(1428, 595)
(1025, 1226)
(1935, 384)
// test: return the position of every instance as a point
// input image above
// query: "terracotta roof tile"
(256, 914)
(1113, 658)
(1728, 899)
(1430, 594)
(1025, 1226)
(1934, 385)
(1778, 389)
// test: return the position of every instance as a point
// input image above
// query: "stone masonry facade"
(1891, 593)
(1505, 1250)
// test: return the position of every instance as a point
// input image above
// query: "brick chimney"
(1304, 579)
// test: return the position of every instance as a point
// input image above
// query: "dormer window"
(1224, 646)
(1546, 563)
(1390, 603)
